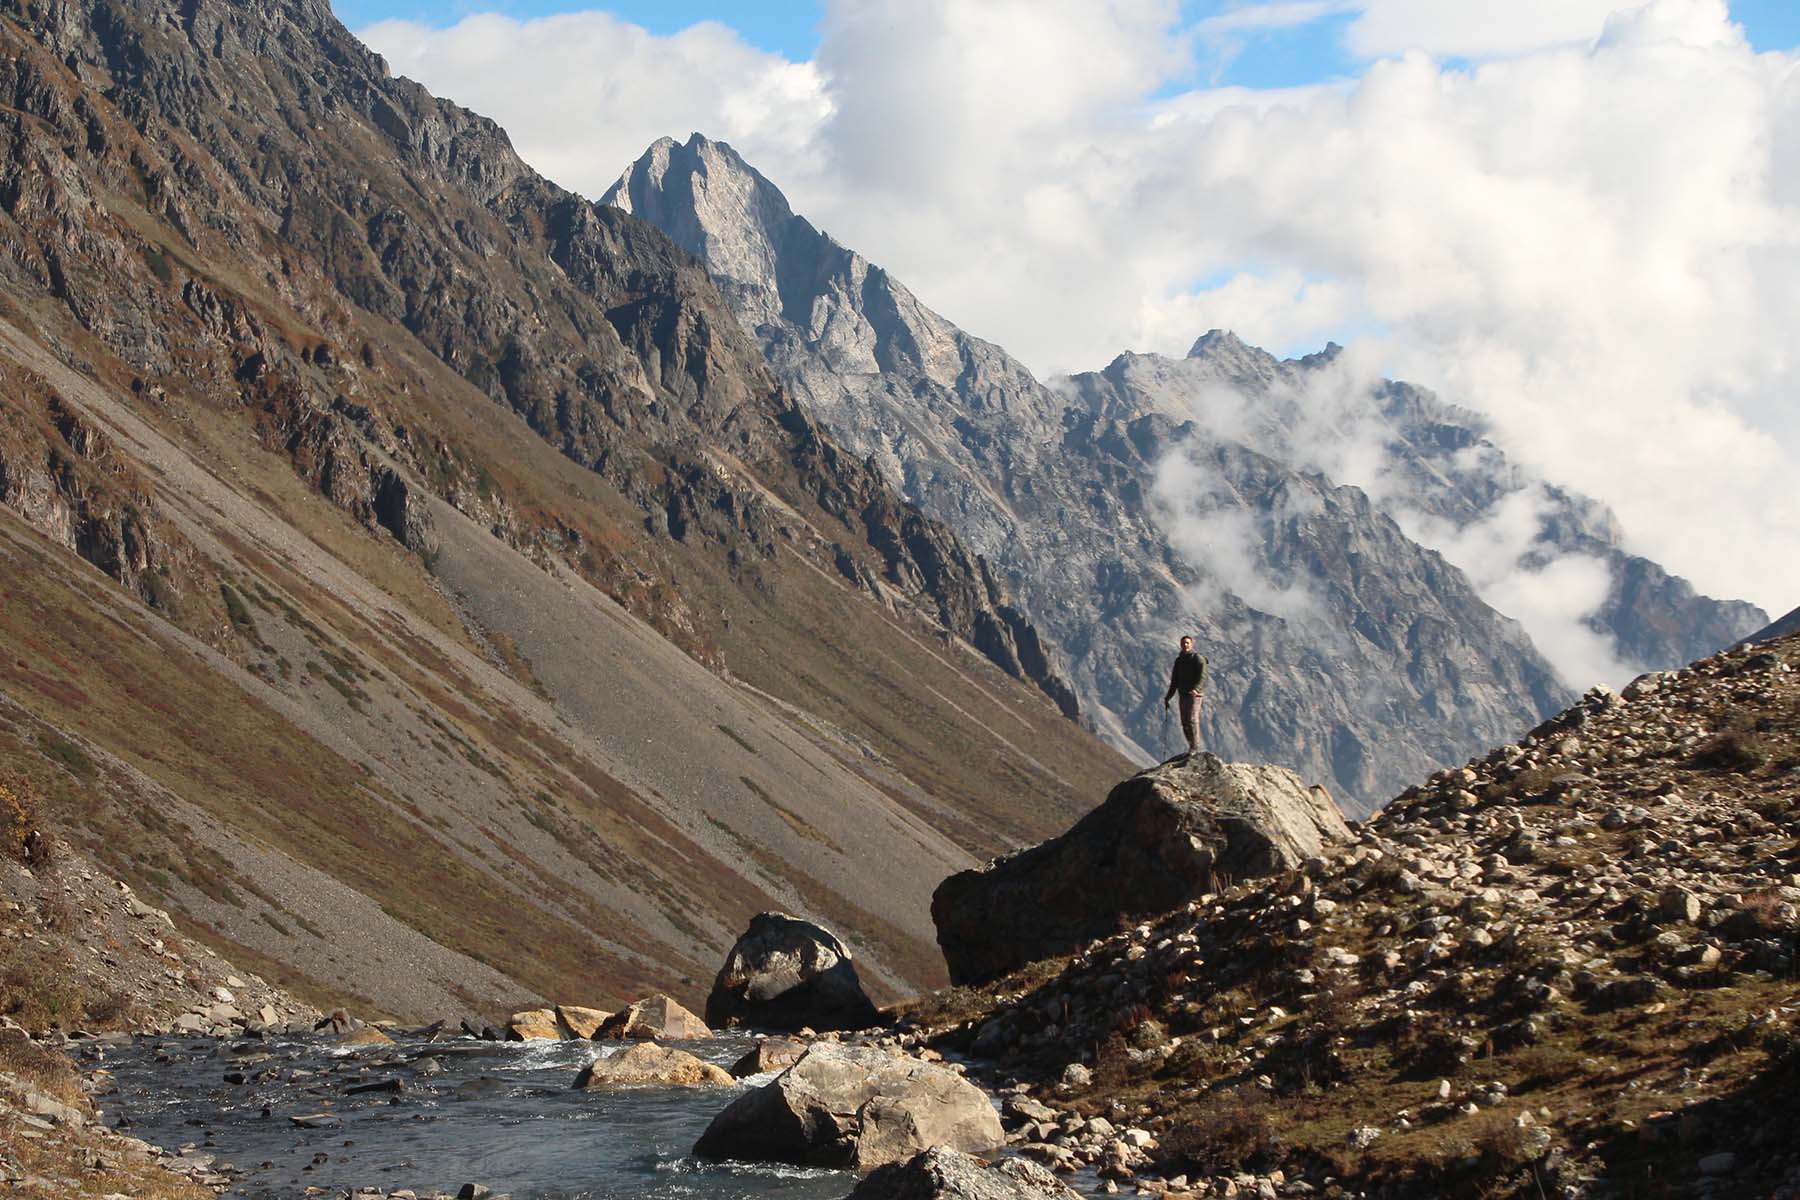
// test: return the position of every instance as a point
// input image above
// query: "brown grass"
(19, 816)
(38, 986)
(46, 1070)
(1233, 1131)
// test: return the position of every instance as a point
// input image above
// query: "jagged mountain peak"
(1217, 341)
(716, 206)
(784, 274)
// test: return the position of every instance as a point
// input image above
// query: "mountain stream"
(433, 1116)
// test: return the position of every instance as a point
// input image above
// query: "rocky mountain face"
(1430, 465)
(1563, 968)
(1120, 515)
(1359, 658)
(413, 576)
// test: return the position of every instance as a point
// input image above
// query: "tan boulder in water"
(655, 1016)
(944, 1174)
(533, 1024)
(350, 1031)
(648, 1064)
(578, 1023)
(770, 1054)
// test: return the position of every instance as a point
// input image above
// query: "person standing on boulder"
(1186, 681)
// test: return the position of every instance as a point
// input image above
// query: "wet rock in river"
(770, 1054)
(649, 1064)
(857, 1107)
(944, 1174)
(653, 1017)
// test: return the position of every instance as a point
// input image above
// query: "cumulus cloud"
(1583, 221)
(1210, 528)
(1473, 30)
(583, 93)
(1327, 420)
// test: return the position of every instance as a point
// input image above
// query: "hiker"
(1186, 681)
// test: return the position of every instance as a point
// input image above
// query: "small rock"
(1723, 1163)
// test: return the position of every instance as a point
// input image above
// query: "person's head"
(1187, 643)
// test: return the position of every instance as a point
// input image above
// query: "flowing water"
(499, 1114)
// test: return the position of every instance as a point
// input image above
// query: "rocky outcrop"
(786, 973)
(856, 1107)
(655, 1016)
(944, 1174)
(1161, 839)
(647, 1064)
(1543, 912)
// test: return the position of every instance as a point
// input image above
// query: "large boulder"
(577, 1023)
(944, 1174)
(655, 1016)
(856, 1107)
(1162, 838)
(534, 1024)
(646, 1064)
(785, 973)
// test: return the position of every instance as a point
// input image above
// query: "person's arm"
(1200, 684)
(1173, 671)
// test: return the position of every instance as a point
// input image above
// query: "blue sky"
(1282, 58)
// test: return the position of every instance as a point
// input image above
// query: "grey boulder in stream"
(944, 1174)
(855, 1107)
(785, 973)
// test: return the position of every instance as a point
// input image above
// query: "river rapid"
(435, 1115)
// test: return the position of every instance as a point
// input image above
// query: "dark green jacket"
(1189, 674)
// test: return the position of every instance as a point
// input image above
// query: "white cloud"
(1593, 236)
(1552, 601)
(1208, 526)
(1473, 28)
(1268, 17)
(1326, 421)
(582, 94)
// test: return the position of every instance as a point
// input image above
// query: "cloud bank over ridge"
(1581, 222)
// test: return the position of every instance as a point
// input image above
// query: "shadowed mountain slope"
(1786, 625)
(416, 581)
